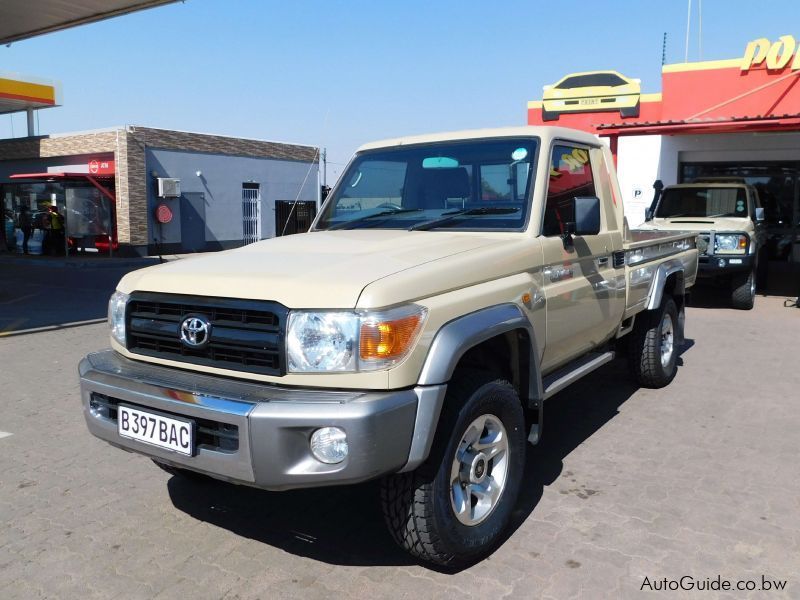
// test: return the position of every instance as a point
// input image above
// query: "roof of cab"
(544, 133)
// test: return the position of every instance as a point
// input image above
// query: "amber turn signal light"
(388, 339)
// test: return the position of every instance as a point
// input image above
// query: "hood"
(326, 269)
(700, 224)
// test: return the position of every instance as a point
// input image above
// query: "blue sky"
(338, 74)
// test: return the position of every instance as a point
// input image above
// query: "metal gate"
(294, 217)
(251, 213)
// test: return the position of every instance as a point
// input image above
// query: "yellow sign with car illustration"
(591, 91)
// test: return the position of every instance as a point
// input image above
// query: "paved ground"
(700, 479)
(33, 295)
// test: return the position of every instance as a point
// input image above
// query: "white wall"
(638, 160)
(643, 159)
(725, 147)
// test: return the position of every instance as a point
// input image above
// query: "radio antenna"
(700, 28)
(688, 28)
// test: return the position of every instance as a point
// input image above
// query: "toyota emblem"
(195, 331)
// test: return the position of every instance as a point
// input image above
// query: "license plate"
(585, 101)
(155, 429)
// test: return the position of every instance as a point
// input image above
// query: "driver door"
(584, 300)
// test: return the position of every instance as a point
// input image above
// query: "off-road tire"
(644, 347)
(743, 291)
(417, 505)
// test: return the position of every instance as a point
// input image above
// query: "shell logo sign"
(775, 56)
(101, 167)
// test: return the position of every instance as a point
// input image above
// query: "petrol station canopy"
(19, 93)
(22, 19)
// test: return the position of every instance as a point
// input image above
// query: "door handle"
(602, 261)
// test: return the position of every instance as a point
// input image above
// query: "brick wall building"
(213, 171)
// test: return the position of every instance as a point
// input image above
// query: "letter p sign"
(755, 53)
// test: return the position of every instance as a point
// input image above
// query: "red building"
(736, 118)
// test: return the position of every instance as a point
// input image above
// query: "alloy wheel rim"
(479, 471)
(667, 340)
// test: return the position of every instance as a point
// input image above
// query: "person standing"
(56, 232)
(47, 237)
(26, 226)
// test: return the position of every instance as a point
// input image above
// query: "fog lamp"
(721, 263)
(329, 445)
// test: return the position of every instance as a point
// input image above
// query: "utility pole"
(31, 131)
(325, 166)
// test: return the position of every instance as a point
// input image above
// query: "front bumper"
(250, 433)
(710, 266)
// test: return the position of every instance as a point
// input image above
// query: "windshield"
(482, 184)
(591, 80)
(703, 202)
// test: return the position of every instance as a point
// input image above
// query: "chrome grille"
(246, 335)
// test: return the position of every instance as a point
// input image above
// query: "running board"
(555, 382)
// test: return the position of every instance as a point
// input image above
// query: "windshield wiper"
(383, 213)
(720, 215)
(452, 216)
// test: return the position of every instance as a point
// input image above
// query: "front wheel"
(454, 508)
(653, 345)
(743, 291)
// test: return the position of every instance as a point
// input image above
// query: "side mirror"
(759, 213)
(587, 215)
(586, 211)
(648, 214)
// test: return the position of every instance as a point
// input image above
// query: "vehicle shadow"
(710, 296)
(335, 525)
(344, 525)
(571, 417)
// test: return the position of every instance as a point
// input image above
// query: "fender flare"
(660, 277)
(449, 345)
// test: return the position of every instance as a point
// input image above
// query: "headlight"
(318, 341)
(321, 342)
(116, 315)
(730, 243)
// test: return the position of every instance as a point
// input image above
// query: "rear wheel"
(653, 346)
(743, 291)
(454, 508)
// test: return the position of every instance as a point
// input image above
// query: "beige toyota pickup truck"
(449, 286)
(727, 215)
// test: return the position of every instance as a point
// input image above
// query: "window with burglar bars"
(251, 213)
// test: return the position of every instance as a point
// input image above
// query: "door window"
(570, 177)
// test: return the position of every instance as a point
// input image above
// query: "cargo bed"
(650, 255)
